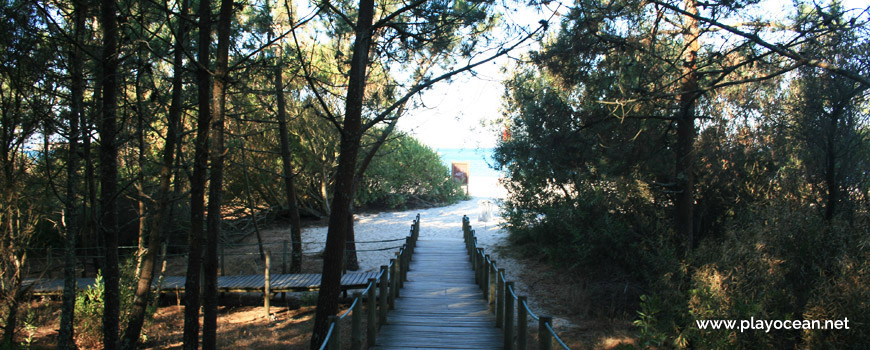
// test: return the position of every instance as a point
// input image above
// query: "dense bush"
(780, 202)
(406, 173)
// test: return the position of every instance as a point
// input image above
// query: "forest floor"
(243, 323)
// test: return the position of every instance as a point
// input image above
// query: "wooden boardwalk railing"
(278, 283)
(387, 285)
(512, 312)
(440, 305)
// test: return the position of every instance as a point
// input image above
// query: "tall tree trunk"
(197, 182)
(250, 201)
(140, 176)
(90, 229)
(210, 263)
(831, 183)
(143, 287)
(67, 315)
(109, 175)
(351, 134)
(685, 155)
(351, 261)
(289, 185)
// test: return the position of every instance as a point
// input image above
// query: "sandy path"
(442, 222)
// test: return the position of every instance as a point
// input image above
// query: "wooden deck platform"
(440, 306)
(226, 284)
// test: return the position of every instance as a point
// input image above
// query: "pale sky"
(456, 111)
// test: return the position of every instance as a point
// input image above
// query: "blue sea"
(479, 160)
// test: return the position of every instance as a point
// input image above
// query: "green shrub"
(406, 173)
(780, 262)
(90, 302)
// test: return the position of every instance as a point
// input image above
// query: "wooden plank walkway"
(440, 306)
(226, 284)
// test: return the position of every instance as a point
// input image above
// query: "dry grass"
(241, 324)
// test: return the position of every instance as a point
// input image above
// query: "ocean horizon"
(479, 160)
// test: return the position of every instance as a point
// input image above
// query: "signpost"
(460, 172)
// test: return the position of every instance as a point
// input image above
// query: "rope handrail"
(502, 297)
(226, 245)
(328, 336)
(556, 337)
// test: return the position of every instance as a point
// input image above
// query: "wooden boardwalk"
(226, 284)
(440, 306)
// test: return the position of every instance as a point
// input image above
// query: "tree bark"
(210, 263)
(351, 134)
(685, 176)
(289, 185)
(143, 287)
(89, 231)
(67, 316)
(351, 259)
(197, 182)
(109, 175)
(831, 183)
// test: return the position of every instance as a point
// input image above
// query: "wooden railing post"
(398, 279)
(409, 245)
(268, 292)
(475, 266)
(223, 260)
(356, 322)
(371, 308)
(392, 294)
(522, 323)
(284, 258)
(545, 342)
(493, 277)
(499, 303)
(485, 284)
(335, 339)
(481, 267)
(508, 316)
(384, 295)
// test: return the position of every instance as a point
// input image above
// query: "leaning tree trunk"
(67, 316)
(289, 185)
(109, 175)
(351, 134)
(685, 176)
(210, 262)
(197, 182)
(143, 287)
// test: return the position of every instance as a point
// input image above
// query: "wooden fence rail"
(512, 311)
(388, 281)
